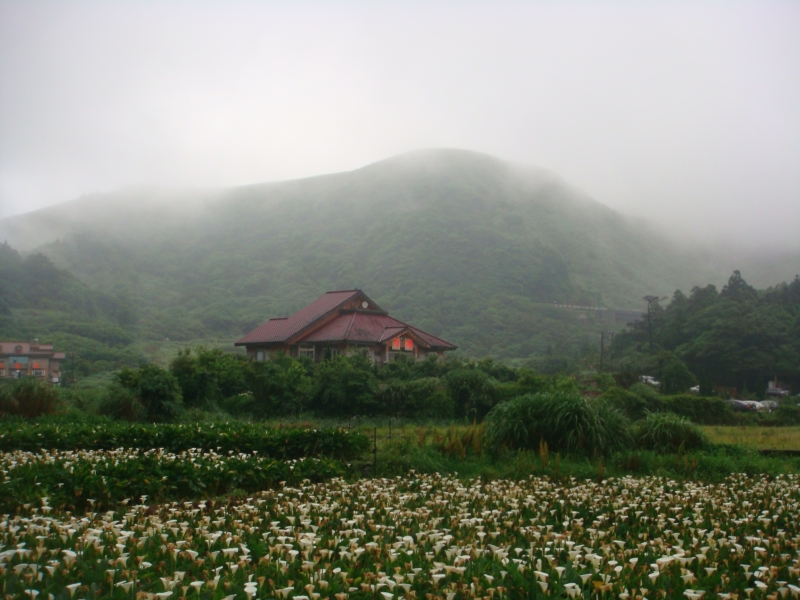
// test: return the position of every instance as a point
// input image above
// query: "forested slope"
(39, 300)
(466, 246)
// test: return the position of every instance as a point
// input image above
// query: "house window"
(306, 350)
(335, 352)
(409, 344)
(2, 373)
(260, 355)
(38, 373)
(396, 344)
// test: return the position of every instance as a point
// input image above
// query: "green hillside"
(39, 300)
(466, 246)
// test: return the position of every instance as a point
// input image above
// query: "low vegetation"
(430, 536)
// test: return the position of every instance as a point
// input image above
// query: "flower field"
(234, 436)
(421, 536)
(103, 479)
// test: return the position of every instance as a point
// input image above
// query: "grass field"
(761, 438)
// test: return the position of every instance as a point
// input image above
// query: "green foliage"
(460, 244)
(633, 406)
(344, 386)
(668, 433)
(236, 437)
(737, 338)
(28, 397)
(473, 393)
(122, 403)
(279, 386)
(40, 300)
(419, 398)
(565, 421)
(71, 482)
(155, 388)
(705, 411)
(788, 411)
(207, 376)
(675, 376)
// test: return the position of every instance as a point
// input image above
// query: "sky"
(684, 113)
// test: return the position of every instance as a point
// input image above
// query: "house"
(23, 359)
(342, 322)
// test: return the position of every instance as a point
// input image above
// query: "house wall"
(25, 365)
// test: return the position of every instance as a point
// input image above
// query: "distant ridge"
(468, 246)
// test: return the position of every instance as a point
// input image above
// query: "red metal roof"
(367, 327)
(280, 330)
(356, 326)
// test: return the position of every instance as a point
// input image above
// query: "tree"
(344, 386)
(156, 388)
(279, 386)
(209, 375)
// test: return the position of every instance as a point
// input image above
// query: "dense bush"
(233, 437)
(157, 389)
(788, 411)
(668, 433)
(120, 402)
(699, 409)
(28, 397)
(207, 376)
(278, 386)
(566, 421)
(633, 406)
(473, 393)
(345, 386)
(417, 398)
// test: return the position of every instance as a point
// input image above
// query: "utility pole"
(602, 339)
(651, 301)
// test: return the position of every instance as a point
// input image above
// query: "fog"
(684, 113)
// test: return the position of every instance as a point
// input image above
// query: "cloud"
(685, 113)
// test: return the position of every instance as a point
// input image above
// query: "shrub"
(417, 398)
(473, 393)
(121, 403)
(278, 386)
(633, 406)
(706, 411)
(156, 388)
(344, 386)
(566, 421)
(28, 397)
(668, 433)
(208, 375)
(788, 412)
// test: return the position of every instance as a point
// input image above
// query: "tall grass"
(28, 397)
(667, 433)
(567, 422)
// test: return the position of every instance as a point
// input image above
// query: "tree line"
(738, 337)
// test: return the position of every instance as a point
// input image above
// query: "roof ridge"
(349, 325)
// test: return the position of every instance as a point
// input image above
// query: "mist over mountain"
(469, 247)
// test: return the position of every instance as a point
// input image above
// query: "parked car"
(741, 405)
(648, 380)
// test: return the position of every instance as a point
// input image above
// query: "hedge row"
(283, 444)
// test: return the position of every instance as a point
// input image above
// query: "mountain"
(469, 247)
(39, 300)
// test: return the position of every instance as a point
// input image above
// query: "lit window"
(409, 344)
(396, 344)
